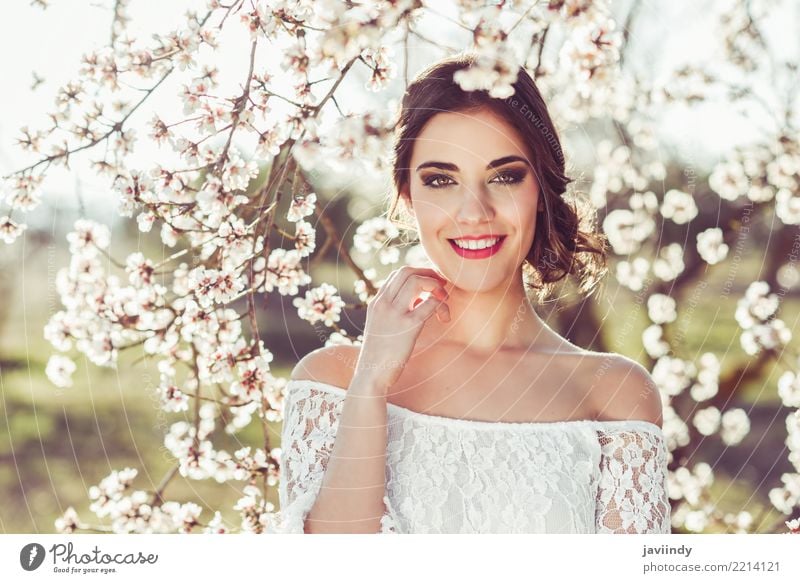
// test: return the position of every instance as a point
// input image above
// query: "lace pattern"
(632, 497)
(311, 418)
(464, 476)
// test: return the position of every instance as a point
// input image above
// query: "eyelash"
(510, 176)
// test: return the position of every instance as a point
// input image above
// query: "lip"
(477, 253)
(477, 237)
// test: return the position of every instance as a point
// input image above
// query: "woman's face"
(470, 176)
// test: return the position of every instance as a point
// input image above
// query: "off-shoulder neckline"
(477, 423)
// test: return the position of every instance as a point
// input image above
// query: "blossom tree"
(195, 311)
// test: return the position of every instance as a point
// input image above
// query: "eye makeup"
(509, 177)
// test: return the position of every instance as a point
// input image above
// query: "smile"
(476, 253)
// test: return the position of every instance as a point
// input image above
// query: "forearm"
(351, 496)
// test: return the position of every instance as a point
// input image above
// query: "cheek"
(531, 203)
(520, 210)
(431, 215)
(524, 220)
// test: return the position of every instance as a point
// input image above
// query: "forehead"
(472, 137)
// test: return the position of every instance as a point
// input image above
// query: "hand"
(395, 317)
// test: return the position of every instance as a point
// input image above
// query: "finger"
(402, 274)
(426, 309)
(443, 312)
(413, 287)
(439, 292)
(386, 287)
(389, 279)
(415, 274)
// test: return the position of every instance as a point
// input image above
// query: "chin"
(478, 283)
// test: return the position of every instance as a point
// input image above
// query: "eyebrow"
(452, 167)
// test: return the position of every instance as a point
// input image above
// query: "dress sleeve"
(632, 495)
(310, 420)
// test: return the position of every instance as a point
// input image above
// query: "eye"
(438, 181)
(509, 177)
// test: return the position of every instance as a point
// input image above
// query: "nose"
(475, 207)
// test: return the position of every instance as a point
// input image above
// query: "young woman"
(462, 411)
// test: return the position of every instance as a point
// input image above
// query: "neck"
(489, 321)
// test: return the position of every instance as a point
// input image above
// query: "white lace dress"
(447, 475)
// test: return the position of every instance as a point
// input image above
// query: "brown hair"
(565, 241)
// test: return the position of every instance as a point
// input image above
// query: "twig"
(156, 498)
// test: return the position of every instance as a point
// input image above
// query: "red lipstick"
(477, 253)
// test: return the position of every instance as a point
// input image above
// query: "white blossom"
(707, 384)
(173, 399)
(360, 286)
(10, 230)
(669, 263)
(305, 238)
(771, 335)
(139, 269)
(302, 207)
(661, 308)
(88, 238)
(109, 492)
(495, 68)
(786, 497)
(679, 206)
(696, 520)
(690, 485)
(321, 304)
(59, 370)
(735, 426)
(789, 389)
(757, 305)
(787, 206)
(68, 522)
(145, 220)
(591, 50)
(707, 421)
(216, 525)
(728, 180)
(653, 341)
(214, 286)
(673, 374)
(710, 245)
(383, 67)
(632, 274)
(374, 235)
(626, 230)
(284, 272)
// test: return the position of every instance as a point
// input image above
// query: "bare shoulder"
(332, 365)
(623, 389)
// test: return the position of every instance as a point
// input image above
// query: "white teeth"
(476, 244)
